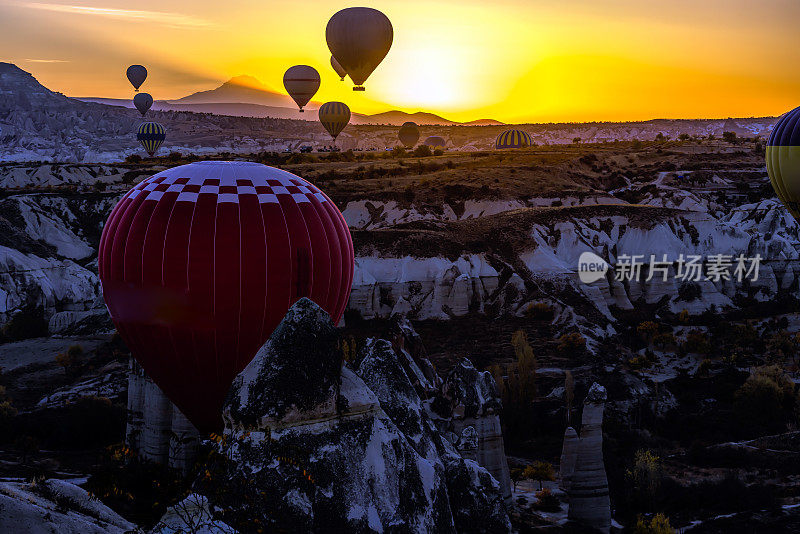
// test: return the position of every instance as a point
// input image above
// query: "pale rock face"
(156, 428)
(569, 455)
(589, 501)
(192, 514)
(353, 451)
(55, 506)
(470, 399)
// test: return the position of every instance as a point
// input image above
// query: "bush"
(26, 323)
(438, 152)
(571, 343)
(422, 151)
(767, 399)
(546, 501)
(697, 342)
(540, 311)
(659, 524)
(133, 158)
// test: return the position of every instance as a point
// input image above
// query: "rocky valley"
(514, 394)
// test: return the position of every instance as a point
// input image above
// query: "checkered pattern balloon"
(200, 263)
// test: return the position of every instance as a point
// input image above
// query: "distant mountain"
(239, 90)
(233, 109)
(248, 90)
(483, 122)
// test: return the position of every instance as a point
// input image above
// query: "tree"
(729, 137)
(576, 140)
(422, 151)
(539, 471)
(7, 410)
(525, 368)
(647, 329)
(517, 474)
(26, 445)
(569, 393)
(684, 137)
(645, 476)
(70, 359)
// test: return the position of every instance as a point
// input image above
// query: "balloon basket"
(358, 88)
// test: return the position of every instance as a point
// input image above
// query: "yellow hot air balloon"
(359, 38)
(334, 116)
(302, 83)
(338, 68)
(783, 161)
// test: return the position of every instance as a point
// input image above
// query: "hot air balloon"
(435, 141)
(359, 38)
(408, 134)
(783, 161)
(338, 68)
(151, 135)
(143, 102)
(200, 263)
(334, 116)
(301, 82)
(136, 75)
(513, 139)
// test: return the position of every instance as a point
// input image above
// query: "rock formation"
(47, 506)
(311, 444)
(156, 429)
(471, 403)
(569, 455)
(589, 502)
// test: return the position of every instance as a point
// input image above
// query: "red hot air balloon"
(200, 263)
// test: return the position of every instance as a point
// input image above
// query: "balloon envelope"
(359, 38)
(136, 75)
(143, 102)
(783, 161)
(200, 263)
(301, 82)
(334, 116)
(338, 68)
(435, 141)
(151, 135)
(408, 134)
(513, 139)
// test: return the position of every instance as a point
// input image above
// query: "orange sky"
(515, 61)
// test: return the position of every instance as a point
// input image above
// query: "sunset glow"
(518, 61)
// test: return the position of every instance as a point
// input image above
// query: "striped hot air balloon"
(783, 161)
(513, 139)
(200, 263)
(334, 116)
(151, 135)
